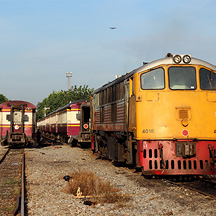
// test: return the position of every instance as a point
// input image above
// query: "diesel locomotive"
(69, 124)
(160, 117)
(17, 123)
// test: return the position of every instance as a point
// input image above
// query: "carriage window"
(207, 79)
(153, 79)
(17, 117)
(182, 78)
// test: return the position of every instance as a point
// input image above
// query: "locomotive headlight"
(177, 59)
(186, 59)
(16, 127)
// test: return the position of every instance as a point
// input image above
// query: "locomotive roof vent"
(183, 59)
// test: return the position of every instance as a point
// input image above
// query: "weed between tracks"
(87, 184)
(14, 183)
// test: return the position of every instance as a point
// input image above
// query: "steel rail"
(209, 181)
(199, 191)
(184, 185)
(23, 186)
(4, 156)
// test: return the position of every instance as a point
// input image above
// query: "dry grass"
(87, 184)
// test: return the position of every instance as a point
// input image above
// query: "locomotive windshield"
(182, 78)
(153, 79)
(207, 79)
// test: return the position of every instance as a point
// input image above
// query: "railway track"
(4, 155)
(12, 187)
(203, 186)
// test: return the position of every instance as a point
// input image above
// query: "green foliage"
(61, 98)
(3, 98)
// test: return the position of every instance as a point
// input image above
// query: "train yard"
(144, 119)
(47, 165)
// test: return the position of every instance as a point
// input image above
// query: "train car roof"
(69, 105)
(168, 60)
(17, 103)
(64, 107)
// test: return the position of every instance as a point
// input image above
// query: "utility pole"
(69, 75)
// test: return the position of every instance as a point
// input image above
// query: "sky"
(41, 40)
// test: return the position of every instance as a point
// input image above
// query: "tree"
(3, 98)
(61, 98)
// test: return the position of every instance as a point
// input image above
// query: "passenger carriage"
(69, 124)
(17, 123)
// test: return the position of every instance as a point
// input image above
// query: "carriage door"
(85, 117)
(131, 155)
(131, 106)
(17, 121)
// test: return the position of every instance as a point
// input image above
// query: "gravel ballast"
(45, 168)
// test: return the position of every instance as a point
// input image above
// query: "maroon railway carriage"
(17, 123)
(70, 123)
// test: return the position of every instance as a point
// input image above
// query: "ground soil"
(47, 166)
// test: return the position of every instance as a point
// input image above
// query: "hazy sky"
(41, 40)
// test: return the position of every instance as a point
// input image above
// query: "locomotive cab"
(176, 119)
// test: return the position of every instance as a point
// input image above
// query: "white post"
(69, 75)
(45, 109)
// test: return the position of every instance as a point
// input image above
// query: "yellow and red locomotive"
(160, 117)
(17, 123)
